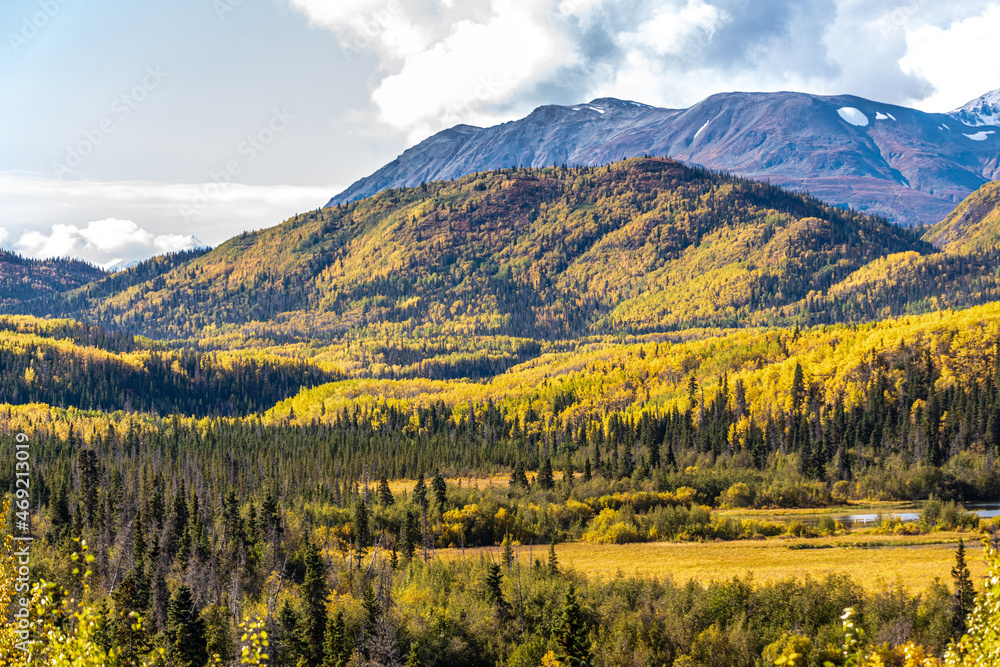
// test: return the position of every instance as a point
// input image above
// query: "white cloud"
(163, 210)
(104, 243)
(676, 30)
(484, 61)
(337, 13)
(478, 66)
(959, 59)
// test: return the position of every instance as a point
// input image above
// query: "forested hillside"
(641, 245)
(467, 278)
(972, 227)
(198, 524)
(23, 279)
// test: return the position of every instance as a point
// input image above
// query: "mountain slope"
(22, 278)
(973, 226)
(641, 245)
(984, 110)
(907, 165)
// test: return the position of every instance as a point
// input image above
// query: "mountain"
(640, 245)
(906, 165)
(972, 227)
(984, 110)
(23, 278)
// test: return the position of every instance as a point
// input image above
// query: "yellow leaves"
(550, 660)
(609, 528)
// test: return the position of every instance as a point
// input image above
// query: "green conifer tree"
(965, 592)
(571, 633)
(519, 479)
(186, 642)
(420, 492)
(312, 623)
(384, 493)
(545, 480)
(494, 589)
(289, 643)
(440, 490)
(336, 647)
(411, 533)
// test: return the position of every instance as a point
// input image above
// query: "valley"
(386, 411)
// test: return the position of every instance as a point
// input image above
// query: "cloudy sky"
(128, 128)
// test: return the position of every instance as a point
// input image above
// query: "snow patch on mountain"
(980, 136)
(853, 116)
(700, 129)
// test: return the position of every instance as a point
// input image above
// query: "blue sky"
(128, 127)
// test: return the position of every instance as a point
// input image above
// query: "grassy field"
(914, 561)
(850, 507)
(502, 480)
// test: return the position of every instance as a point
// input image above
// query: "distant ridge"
(972, 227)
(909, 166)
(23, 278)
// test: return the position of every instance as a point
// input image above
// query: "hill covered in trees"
(974, 226)
(23, 279)
(645, 244)
(638, 246)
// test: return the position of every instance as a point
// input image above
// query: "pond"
(985, 510)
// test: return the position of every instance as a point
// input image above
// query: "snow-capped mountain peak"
(983, 110)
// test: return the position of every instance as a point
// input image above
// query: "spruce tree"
(130, 632)
(440, 490)
(965, 592)
(798, 389)
(179, 516)
(89, 479)
(373, 611)
(271, 518)
(362, 528)
(571, 634)
(494, 589)
(185, 631)
(410, 534)
(519, 479)
(289, 644)
(420, 492)
(553, 561)
(384, 493)
(508, 552)
(60, 516)
(336, 648)
(312, 624)
(545, 480)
